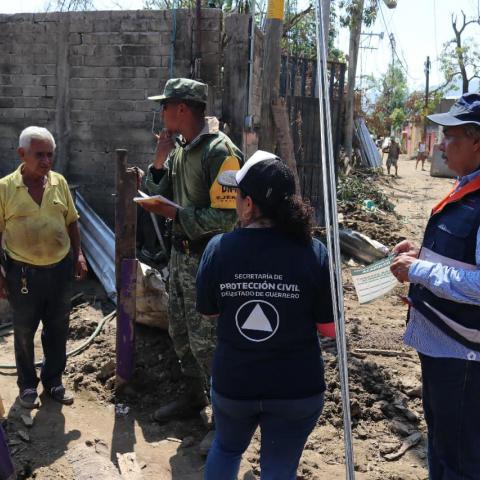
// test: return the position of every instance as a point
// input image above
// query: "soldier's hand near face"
(165, 143)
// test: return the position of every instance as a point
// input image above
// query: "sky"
(420, 28)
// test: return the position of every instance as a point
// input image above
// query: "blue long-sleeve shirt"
(455, 284)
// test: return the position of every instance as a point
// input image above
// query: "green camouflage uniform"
(189, 179)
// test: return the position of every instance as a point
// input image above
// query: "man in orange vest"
(444, 297)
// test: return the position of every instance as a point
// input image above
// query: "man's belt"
(187, 246)
(30, 265)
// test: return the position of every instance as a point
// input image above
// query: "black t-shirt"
(269, 293)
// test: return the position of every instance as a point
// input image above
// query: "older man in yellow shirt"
(40, 238)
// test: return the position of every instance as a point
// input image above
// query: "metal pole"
(125, 272)
(427, 83)
(333, 244)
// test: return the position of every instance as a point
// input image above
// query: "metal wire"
(333, 244)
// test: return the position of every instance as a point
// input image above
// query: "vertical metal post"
(126, 322)
(125, 248)
(333, 244)
(427, 84)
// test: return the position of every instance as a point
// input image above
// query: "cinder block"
(81, 93)
(82, 115)
(76, 60)
(131, 94)
(10, 91)
(103, 61)
(120, 83)
(45, 102)
(120, 105)
(81, 26)
(134, 25)
(145, 105)
(132, 72)
(133, 117)
(26, 102)
(44, 69)
(6, 103)
(107, 50)
(51, 91)
(74, 39)
(148, 61)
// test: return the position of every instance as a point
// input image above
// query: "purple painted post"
(7, 470)
(126, 321)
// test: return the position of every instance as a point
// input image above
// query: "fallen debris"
(88, 465)
(121, 410)
(408, 443)
(128, 466)
(27, 420)
(385, 353)
(23, 435)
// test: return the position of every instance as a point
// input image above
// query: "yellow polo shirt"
(32, 233)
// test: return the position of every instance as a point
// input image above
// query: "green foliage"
(398, 117)
(388, 108)
(300, 36)
(239, 6)
(355, 189)
(454, 58)
(415, 104)
(350, 7)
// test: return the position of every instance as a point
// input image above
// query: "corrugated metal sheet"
(370, 156)
(98, 244)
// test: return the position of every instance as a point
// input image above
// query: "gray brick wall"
(86, 76)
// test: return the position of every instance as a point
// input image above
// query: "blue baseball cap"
(464, 111)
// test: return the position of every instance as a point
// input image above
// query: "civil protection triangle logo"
(257, 320)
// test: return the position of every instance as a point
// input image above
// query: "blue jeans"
(47, 300)
(284, 425)
(451, 403)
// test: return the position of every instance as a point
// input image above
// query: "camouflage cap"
(183, 89)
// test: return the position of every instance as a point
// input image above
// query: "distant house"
(413, 131)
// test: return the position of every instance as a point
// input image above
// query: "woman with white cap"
(269, 283)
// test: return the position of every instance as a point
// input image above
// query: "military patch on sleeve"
(220, 196)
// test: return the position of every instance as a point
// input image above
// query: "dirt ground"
(69, 442)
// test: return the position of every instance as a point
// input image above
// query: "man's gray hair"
(35, 133)
(472, 131)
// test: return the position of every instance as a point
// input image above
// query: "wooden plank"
(236, 75)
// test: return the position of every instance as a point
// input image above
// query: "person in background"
(444, 296)
(269, 283)
(421, 155)
(191, 152)
(393, 154)
(40, 236)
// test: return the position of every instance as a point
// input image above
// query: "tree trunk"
(355, 31)
(285, 142)
(271, 74)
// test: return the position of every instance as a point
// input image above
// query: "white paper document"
(144, 198)
(374, 281)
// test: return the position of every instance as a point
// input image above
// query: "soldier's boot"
(192, 401)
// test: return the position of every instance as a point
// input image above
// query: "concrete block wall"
(86, 76)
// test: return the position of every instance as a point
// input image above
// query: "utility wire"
(393, 46)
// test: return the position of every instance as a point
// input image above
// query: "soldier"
(191, 152)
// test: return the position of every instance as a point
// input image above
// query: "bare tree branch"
(295, 19)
